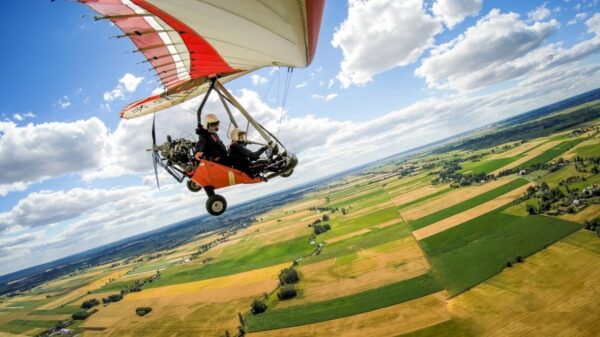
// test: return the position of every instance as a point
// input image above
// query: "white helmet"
(210, 119)
(236, 134)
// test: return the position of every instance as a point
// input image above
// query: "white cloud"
(330, 83)
(403, 30)
(325, 98)
(453, 12)
(127, 84)
(32, 153)
(130, 82)
(483, 54)
(258, 80)
(20, 117)
(301, 85)
(539, 14)
(64, 102)
(48, 207)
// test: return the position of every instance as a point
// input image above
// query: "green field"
(354, 244)
(61, 310)
(375, 197)
(425, 198)
(551, 153)
(20, 326)
(589, 150)
(487, 166)
(344, 306)
(339, 227)
(254, 257)
(480, 248)
(467, 204)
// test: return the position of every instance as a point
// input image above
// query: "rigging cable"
(286, 89)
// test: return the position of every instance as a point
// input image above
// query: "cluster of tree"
(286, 291)
(90, 303)
(324, 209)
(550, 167)
(593, 225)
(319, 229)
(81, 315)
(258, 306)
(555, 201)
(404, 171)
(141, 311)
(581, 164)
(288, 276)
(112, 298)
(137, 285)
(547, 197)
(428, 166)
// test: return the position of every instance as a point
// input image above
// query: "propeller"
(155, 158)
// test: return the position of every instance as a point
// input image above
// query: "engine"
(178, 152)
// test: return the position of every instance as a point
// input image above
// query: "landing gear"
(193, 187)
(216, 205)
(287, 174)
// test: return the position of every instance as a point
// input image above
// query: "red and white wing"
(187, 42)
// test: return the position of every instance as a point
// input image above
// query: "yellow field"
(391, 321)
(207, 306)
(552, 294)
(472, 213)
(516, 151)
(370, 268)
(416, 194)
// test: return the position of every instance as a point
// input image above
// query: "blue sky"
(387, 76)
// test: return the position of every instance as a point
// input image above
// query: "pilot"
(240, 156)
(209, 145)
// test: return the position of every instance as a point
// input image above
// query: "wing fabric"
(186, 42)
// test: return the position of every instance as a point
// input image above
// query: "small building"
(523, 172)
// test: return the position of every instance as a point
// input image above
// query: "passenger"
(240, 156)
(209, 145)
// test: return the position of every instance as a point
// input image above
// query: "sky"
(388, 76)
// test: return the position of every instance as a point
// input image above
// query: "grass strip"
(344, 306)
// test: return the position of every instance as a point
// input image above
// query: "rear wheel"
(193, 187)
(216, 205)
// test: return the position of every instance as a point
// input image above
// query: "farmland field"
(467, 204)
(411, 246)
(345, 306)
(480, 248)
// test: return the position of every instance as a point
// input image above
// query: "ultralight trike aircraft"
(195, 47)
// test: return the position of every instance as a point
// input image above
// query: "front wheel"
(216, 205)
(287, 174)
(193, 187)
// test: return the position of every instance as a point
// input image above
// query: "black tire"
(216, 205)
(287, 174)
(193, 187)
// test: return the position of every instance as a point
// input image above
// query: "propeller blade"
(153, 133)
(155, 162)
(155, 158)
